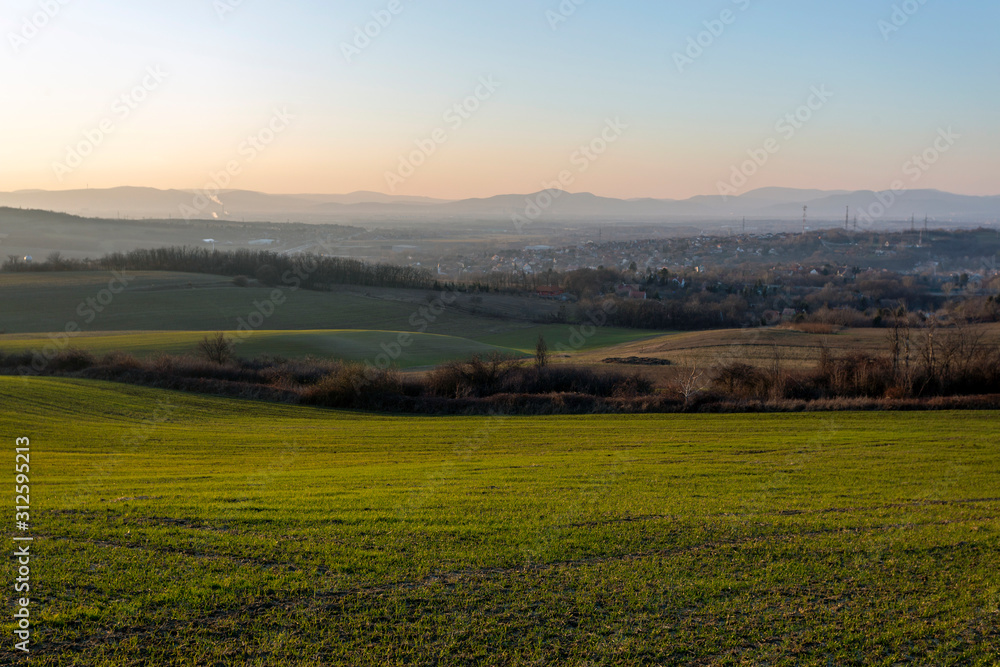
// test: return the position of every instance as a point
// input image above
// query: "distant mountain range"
(373, 208)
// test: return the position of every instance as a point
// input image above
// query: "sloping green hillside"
(403, 349)
(157, 302)
(173, 529)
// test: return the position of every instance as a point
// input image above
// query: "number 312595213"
(21, 466)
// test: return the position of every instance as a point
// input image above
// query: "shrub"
(857, 375)
(474, 378)
(120, 360)
(481, 378)
(632, 386)
(71, 360)
(17, 360)
(741, 380)
(162, 363)
(355, 386)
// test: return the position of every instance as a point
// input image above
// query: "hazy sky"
(201, 76)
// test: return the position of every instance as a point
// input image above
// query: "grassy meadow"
(422, 349)
(160, 301)
(170, 312)
(173, 529)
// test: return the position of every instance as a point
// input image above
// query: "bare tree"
(929, 355)
(899, 337)
(217, 349)
(541, 352)
(776, 383)
(691, 383)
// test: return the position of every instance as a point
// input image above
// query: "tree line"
(269, 267)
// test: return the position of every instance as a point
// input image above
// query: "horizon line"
(501, 194)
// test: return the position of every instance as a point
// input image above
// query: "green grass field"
(173, 529)
(43, 303)
(570, 337)
(160, 310)
(422, 349)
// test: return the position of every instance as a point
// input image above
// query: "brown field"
(788, 348)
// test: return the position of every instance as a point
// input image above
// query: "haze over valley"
(376, 209)
(492, 334)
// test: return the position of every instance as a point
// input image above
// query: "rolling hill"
(178, 529)
(375, 208)
(170, 312)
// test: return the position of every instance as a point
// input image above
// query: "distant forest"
(695, 298)
(269, 268)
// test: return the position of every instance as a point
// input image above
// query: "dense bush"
(856, 376)
(481, 377)
(744, 381)
(927, 366)
(355, 385)
(476, 377)
(71, 360)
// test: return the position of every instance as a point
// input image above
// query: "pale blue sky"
(608, 60)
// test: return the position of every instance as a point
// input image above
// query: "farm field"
(422, 350)
(571, 337)
(191, 302)
(425, 349)
(179, 303)
(792, 349)
(174, 529)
